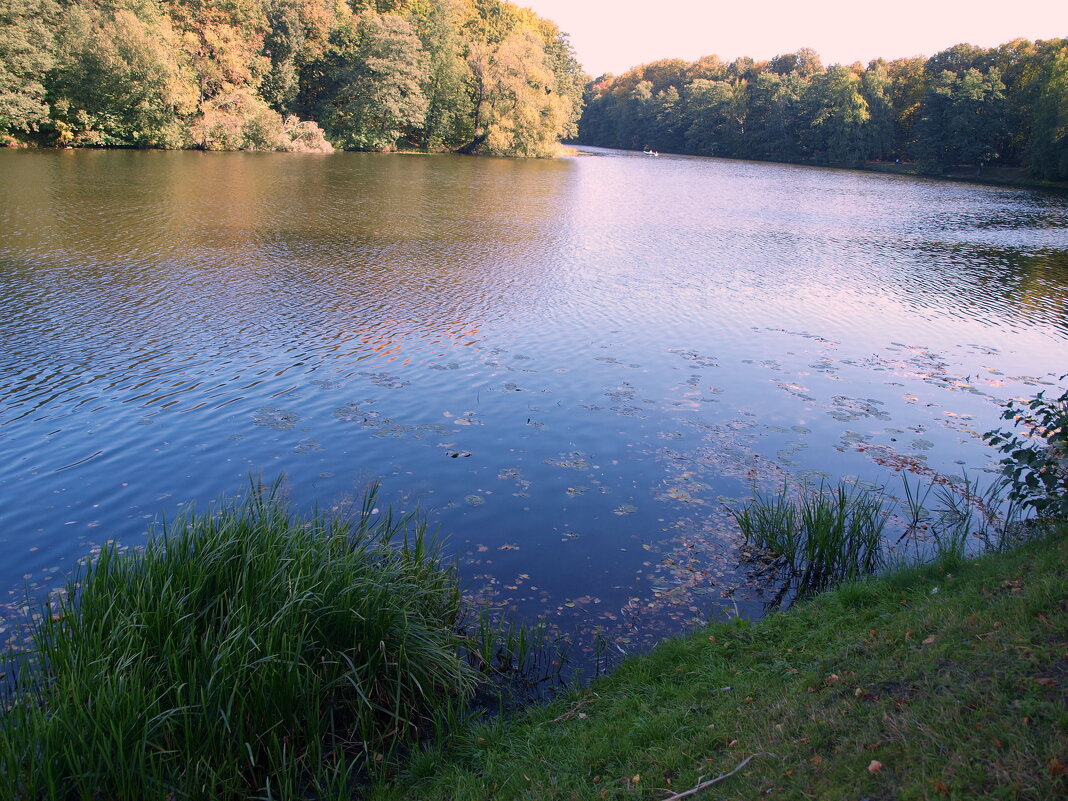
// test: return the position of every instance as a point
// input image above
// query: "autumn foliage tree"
(476, 75)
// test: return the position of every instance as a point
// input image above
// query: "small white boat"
(650, 153)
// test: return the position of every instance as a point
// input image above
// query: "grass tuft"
(241, 654)
(822, 536)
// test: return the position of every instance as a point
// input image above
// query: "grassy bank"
(945, 681)
(242, 654)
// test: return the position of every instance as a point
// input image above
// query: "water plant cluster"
(244, 653)
(813, 538)
(820, 536)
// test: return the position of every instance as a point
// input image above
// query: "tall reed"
(241, 654)
(821, 536)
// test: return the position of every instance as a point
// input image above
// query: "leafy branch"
(1036, 461)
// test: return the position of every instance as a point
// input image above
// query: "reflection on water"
(570, 365)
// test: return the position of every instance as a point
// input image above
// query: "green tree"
(450, 113)
(958, 59)
(773, 112)
(118, 79)
(1048, 154)
(709, 68)
(805, 62)
(717, 114)
(963, 119)
(297, 34)
(26, 55)
(908, 87)
(875, 87)
(569, 79)
(839, 115)
(705, 116)
(978, 124)
(382, 71)
(517, 110)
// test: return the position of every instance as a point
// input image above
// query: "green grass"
(241, 654)
(951, 676)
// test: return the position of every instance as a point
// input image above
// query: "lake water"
(568, 365)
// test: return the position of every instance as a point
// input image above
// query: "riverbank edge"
(946, 680)
(559, 151)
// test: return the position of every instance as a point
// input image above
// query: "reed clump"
(820, 537)
(241, 654)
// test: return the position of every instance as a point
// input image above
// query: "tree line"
(966, 105)
(481, 76)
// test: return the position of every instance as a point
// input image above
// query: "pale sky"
(612, 36)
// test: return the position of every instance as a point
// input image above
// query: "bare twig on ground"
(710, 782)
(575, 710)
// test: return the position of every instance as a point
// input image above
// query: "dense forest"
(966, 105)
(482, 76)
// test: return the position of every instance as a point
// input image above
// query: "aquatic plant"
(520, 664)
(244, 653)
(822, 536)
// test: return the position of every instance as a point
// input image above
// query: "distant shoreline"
(992, 175)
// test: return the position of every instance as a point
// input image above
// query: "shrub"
(1036, 463)
(303, 136)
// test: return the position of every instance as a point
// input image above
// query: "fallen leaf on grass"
(929, 640)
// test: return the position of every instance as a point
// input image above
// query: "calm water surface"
(569, 365)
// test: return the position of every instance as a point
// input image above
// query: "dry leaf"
(929, 640)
